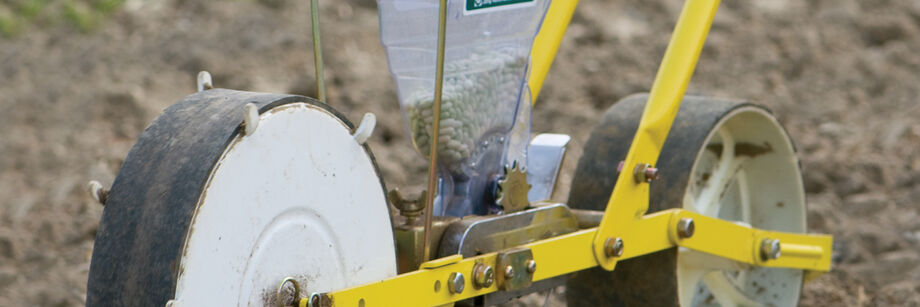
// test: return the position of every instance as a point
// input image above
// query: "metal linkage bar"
(435, 128)
(569, 253)
(317, 52)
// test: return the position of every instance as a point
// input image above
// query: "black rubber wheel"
(652, 280)
(152, 202)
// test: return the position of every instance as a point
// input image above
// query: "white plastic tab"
(250, 119)
(366, 128)
(204, 81)
(95, 189)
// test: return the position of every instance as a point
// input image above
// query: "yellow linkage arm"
(547, 43)
(629, 200)
(570, 253)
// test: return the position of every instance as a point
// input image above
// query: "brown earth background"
(843, 76)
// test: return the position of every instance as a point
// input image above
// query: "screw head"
(685, 228)
(531, 266)
(455, 283)
(769, 249)
(509, 272)
(613, 247)
(483, 275)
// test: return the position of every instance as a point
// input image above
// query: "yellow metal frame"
(625, 216)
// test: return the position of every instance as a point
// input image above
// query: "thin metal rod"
(435, 130)
(317, 52)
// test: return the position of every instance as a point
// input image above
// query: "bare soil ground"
(842, 75)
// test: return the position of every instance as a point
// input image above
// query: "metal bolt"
(769, 249)
(685, 228)
(288, 292)
(531, 266)
(483, 275)
(613, 247)
(314, 300)
(509, 272)
(644, 172)
(455, 283)
(651, 174)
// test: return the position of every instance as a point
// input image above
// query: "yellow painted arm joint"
(629, 199)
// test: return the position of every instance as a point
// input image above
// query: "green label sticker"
(482, 6)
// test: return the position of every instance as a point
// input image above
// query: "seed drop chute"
(485, 108)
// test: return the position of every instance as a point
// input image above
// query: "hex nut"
(613, 247)
(483, 275)
(769, 249)
(685, 228)
(455, 283)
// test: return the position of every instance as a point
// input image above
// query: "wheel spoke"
(708, 197)
(725, 291)
(708, 262)
(709, 200)
(745, 196)
(689, 279)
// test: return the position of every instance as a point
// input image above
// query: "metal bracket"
(544, 159)
(513, 272)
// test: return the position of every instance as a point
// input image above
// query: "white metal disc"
(298, 197)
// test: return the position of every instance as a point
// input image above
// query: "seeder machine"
(234, 198)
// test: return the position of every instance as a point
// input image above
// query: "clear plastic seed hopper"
(485, 110)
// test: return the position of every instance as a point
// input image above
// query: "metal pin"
(317, 52)
(204, 81)
(366, 128)
(435, 127)
(250, 119)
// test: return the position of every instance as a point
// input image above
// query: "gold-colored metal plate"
(512, 269)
